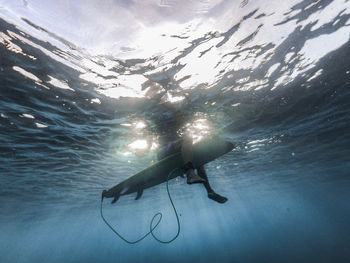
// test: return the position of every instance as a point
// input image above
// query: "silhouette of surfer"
(172, 143)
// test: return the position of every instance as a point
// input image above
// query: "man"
(173, 143)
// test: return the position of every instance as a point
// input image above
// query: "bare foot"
(193, 178)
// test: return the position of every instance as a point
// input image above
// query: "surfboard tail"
(103, 194)
(110, 194)
(115, 199)
(106, 194)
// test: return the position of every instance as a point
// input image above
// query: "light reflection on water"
(206, 53)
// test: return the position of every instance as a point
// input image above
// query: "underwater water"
(82, 89)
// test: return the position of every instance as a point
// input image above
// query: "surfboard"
(203, 152)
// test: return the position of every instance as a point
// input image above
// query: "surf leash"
(151, 227)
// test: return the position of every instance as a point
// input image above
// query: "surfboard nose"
(230, 146)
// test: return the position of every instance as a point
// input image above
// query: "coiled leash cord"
(151, 227)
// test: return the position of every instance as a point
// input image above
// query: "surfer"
(173, 143)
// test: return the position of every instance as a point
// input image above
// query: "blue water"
(82, 108)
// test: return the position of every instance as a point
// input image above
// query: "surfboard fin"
(116, 197)
(139, 193)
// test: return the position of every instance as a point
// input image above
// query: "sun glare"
(138, 145)
(140, 125)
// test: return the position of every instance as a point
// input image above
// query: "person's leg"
(202, 173)
(186, 151)
(211, 193)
